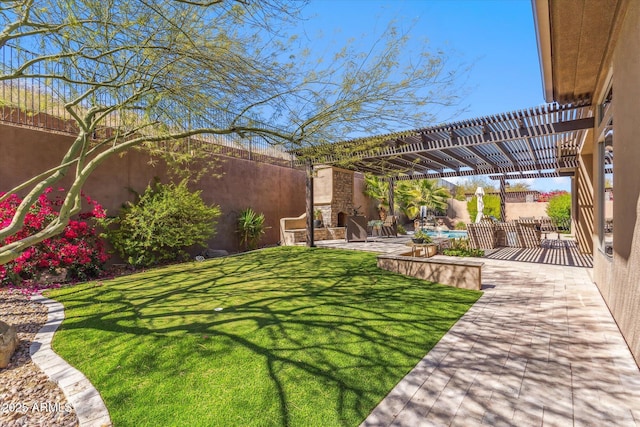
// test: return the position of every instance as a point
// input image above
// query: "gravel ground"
(27, 397)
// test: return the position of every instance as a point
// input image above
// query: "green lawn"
(305, 337)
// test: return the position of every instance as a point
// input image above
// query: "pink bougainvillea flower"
(78, 248)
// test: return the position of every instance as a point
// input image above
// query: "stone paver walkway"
(539, 348)
(90, 408)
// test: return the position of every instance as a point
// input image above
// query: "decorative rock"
(22, 383)
(8, 343)
(214, 253)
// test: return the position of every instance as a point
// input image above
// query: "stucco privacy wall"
(276, 191)
(622, 291)
(514, 211)
(458, 211)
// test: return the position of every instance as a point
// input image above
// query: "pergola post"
(309, 205)
(391, 201)
(503, 210)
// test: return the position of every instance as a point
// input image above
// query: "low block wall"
(458, 273)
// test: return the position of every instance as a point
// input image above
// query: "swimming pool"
(449, 234)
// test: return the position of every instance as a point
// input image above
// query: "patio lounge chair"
(389, 227)
(548, 226)
(528, 234)
(518, 234)
(482, 235)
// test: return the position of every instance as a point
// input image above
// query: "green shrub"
(460, 194)
(165, 221)
(559, 210)
(460, 248)
(250, 228)
(460, 225)
(491, 206)
(478, 253)
(401, 229)
(420, 234)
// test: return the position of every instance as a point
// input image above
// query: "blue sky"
(496, 36)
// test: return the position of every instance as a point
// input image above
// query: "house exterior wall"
(606, 41)
(273, 190)
(618, 277)
(620, 286)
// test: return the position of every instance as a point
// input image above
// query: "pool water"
(449, 234)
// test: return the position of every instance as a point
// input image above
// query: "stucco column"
(584, 216)
(503, 208)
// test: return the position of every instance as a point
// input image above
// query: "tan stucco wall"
(322, 186)
(365, 205)
(276, 191)
(622, 291)
(583, 200)
(514, 211)
(457, 211)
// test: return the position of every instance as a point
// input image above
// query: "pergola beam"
(460, 159)
(523, 143)
(532, 153)
(479, 138)
(434, 159)
(482, 157)
(508, 155)
(528, 175)
(548, 120)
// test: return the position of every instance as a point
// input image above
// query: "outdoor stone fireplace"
(333, 195)
(342, 219)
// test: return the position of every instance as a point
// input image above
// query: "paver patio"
(539, 348)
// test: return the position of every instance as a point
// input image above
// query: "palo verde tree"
(152, 74)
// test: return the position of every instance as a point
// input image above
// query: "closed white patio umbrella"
(479, 194)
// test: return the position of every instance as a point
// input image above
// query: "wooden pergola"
(540, 142)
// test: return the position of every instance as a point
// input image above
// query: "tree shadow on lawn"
(304, 337)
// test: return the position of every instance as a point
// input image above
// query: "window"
(605, 188)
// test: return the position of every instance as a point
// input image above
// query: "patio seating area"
(521, 233)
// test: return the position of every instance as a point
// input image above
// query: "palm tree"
(424, 192)
(378, 190)
(403, 195)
